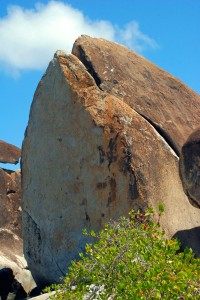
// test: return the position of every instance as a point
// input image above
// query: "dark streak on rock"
(87, 216)
(133, 192)
(112, 194)
(101, 185)
(34, 232)
(126, 161)
(126, 168)
(112, 153)
(102, 154)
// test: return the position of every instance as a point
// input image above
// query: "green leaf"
(161, 207)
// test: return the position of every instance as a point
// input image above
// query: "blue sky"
(164, 31)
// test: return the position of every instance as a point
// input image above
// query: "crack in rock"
(88, 64)
(166, 137)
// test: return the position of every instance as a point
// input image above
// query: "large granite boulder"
(89, 155)
(190, 167)
(12, 262)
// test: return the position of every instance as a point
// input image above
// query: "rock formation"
(11, 249)
(190, 167)
(9, 153)
(104, 134)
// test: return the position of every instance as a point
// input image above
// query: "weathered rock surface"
(88, 156)
(43, 297)
(9, 153)
(10, 201)
(190, 167)
(11, 245)
(168, 104)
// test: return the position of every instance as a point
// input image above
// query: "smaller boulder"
(15, 279)
(11, 257)
(9, 153)
(10, 201)
(189, 167)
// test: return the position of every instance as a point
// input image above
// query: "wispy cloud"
(132, 37)
(28, 38)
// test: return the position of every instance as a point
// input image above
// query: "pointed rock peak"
(61, 53)
(73, 69)
(9, 153)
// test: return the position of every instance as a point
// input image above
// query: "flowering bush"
(132, 259)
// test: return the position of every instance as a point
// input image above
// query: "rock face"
(9, 153)
(190, 167)
(92, 152)
(11, 245)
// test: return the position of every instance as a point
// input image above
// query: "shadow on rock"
(189, 238)
(8, 284)
(6, 281)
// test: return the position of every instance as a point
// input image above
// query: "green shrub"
(132, 259)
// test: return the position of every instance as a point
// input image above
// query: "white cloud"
(132, 37)
(29, 38)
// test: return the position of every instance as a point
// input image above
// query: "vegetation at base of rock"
(132, 259)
